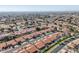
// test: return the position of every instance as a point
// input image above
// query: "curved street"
(62, 44)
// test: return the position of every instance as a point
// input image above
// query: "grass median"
(56, 43)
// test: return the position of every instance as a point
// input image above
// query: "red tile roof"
(19, 39)
(39, 44)
(13, 42)
(23, 51)
(52, 36)
(2, 45)
(31, 48)
(25, 36)
(46, 40)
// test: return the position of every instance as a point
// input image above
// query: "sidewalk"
(51, 49)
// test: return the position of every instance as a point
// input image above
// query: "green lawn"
(56, 43)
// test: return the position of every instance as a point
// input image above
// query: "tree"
(2, 29)
(38, 29)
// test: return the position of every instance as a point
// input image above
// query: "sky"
(6, 8)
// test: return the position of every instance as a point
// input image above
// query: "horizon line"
(39, 11)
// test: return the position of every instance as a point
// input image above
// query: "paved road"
(12, 50)
(61, 46)
(54, 51)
